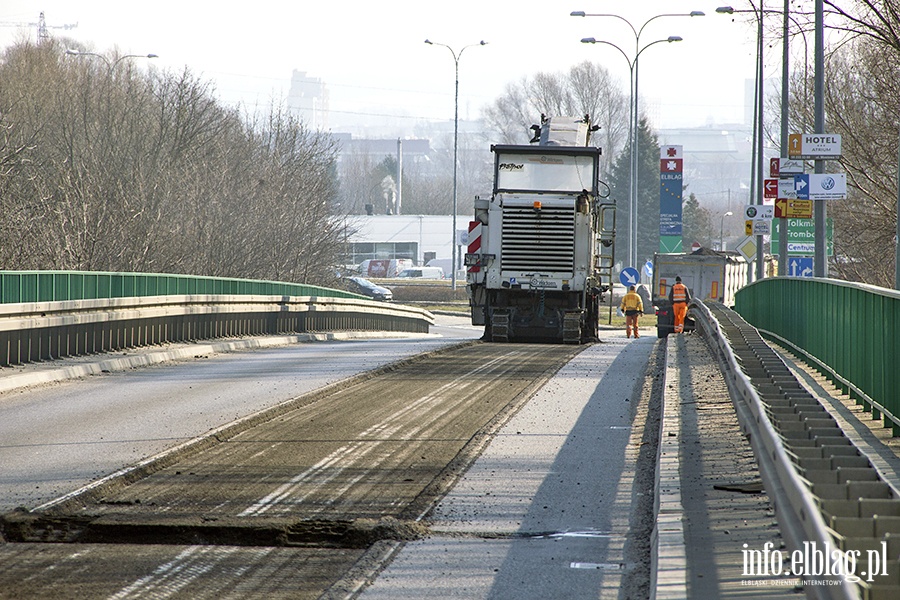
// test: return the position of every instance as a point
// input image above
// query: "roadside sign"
(786, 189)
(759, 211)
(629, 276)
(770, 188)
(793, 209)
(747, 249)
(802, 236)
(758, 227)
(648, 268)
(822, 186)
(788, 167)
(800, 266)
(774, 167)
(818, 146)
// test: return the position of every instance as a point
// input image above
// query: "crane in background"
(42, 27)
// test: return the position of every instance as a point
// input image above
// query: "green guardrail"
(57, 286)
(848, 329)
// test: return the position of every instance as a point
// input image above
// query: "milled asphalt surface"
(541, 515)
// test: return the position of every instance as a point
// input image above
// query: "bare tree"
(106, 167)
(586, 89)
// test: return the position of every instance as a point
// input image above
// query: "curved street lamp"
(456, 57)
(109, 65)
(635, 125)
(632, 106)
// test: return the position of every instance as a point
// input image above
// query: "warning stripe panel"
(474, 242)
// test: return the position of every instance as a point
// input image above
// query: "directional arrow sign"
(818, 146)
(801, 186)
(793, 209)
(800, 266)
(629, 276)
(771, 188)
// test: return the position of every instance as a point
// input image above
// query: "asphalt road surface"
(298, 493)
(54, 438)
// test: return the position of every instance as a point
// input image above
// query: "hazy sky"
(372, 57)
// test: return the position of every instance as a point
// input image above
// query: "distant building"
(717, 163)
(413, 149)
(308, 99)
(419, 238)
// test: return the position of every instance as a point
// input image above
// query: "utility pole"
(820, 260)
(42, 27)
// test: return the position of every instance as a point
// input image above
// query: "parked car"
(365, 287)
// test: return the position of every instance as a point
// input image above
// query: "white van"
(422, 273)
(383, 267)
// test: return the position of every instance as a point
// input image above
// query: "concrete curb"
(669, 569)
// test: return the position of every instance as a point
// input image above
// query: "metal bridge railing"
(56, 286)
(48, 315)
(847, 330)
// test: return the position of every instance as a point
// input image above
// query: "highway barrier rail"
(838, 514)
(54, 315)
(848, 331)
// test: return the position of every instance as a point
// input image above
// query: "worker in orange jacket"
(633, 307)
(679, 296)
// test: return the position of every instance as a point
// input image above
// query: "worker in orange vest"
(679, 296)
(633, 307)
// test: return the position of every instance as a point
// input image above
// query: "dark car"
(665, 320)
(365, 287)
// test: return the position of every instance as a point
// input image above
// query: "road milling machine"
(541, 249)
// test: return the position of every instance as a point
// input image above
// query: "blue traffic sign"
(800, 266)
(648, 268)
(801, 186)
(629, 276)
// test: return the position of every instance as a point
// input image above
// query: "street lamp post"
(635, 125)
(456, 57)
(632, 184)
(722, 231)
(785, 105)
(109, 65)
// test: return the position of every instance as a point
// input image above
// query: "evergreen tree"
(697, 224)
(648, 197)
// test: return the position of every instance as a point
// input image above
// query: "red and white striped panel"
(474, 242)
